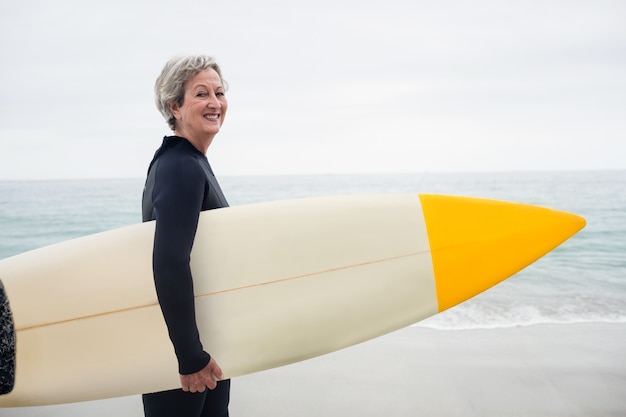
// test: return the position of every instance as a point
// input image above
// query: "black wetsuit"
(180, 184)
(7, 345)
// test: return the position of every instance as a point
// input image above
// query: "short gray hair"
(169, 87)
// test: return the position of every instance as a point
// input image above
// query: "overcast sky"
(319, 86)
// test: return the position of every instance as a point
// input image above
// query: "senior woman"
(190, 94)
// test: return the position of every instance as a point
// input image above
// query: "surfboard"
(275, 283)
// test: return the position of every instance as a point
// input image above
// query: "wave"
(460, 318)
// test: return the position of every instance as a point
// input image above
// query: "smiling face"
(200, 116)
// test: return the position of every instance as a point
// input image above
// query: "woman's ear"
(174, 109)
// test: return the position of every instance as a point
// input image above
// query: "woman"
(190, 94)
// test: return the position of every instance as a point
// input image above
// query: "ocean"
(582, 281)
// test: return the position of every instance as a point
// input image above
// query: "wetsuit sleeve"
(177, 197)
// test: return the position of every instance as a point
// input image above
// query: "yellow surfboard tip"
(476, 243)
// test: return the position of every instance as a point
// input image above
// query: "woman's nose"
(214, 102)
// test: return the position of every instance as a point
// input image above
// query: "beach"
(494, 355)
(540, 370)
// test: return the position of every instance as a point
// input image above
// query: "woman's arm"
(177, 197)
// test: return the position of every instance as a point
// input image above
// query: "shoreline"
(539, 370)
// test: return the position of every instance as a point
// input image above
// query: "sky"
(319, 87)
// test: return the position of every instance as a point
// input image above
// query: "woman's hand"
(207, 377)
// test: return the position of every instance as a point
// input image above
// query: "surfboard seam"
(244, 287)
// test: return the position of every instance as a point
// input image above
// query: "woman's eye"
(201, 94)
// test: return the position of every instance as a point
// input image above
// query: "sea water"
(583, 280)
